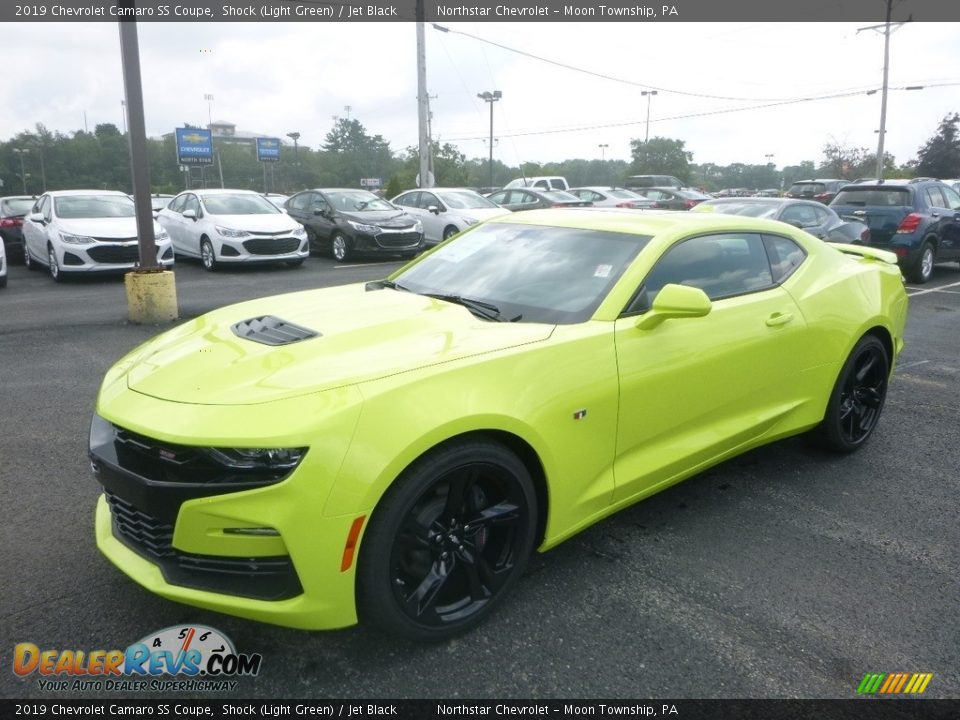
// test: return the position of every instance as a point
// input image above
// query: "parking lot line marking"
(904, 366)
(932, 290)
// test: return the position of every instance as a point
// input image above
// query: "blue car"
(917, 219)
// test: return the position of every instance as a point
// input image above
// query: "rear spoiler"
(868, 253)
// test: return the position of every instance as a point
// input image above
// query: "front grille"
(115, 254)
(261, 578)
(271, 246)
(398, 240)
(263, 233)
(116, 240)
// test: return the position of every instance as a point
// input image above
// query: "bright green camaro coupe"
(395, 451)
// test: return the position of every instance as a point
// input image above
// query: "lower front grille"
(398, 240)
(115, 254)
(261, 578)
(271, 246)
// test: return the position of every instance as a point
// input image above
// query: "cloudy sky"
(276, 78)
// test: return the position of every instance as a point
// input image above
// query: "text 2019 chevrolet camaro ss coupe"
(395, 451)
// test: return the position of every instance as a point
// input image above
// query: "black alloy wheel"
(340, 247)
(857, 398)
(448, 542)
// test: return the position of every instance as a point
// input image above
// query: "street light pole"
(603, 151)
(209, 98)
(23, 175)
(648, 94)
(491, 97)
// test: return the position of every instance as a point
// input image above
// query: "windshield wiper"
(482, 309)
(380, 284)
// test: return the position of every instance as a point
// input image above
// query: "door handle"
(779, 319)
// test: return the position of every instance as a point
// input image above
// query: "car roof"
(634, 222)
(18, 197)
(67, 193)
(222, 191)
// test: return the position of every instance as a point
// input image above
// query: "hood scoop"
(270, 330)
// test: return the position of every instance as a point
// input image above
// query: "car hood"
(383, 218)
(363, 335)
(103, 228)
(273, 222)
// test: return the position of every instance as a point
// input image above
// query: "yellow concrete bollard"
(151, 296)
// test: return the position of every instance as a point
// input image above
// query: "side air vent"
(271, 330)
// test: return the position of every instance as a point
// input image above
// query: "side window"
(316, 202)
(800, 215)
(821, 214)
(427, 200)
(953, 199)
(557, 184)
(584, 194)
(498, 197)
(785, 256)
(542, 184)
(934, 198)
(529, 199)
(46, 207)
(192, 203)
(595, 197)
(721, 265)
(299, 202)
(176, 205)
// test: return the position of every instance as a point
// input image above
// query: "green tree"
(940, 156)
(352, 154)
(660, 155)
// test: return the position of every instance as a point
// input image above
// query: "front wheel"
(857, 398)
(447, 542)
(207, 256)
(922, 269)
(52, 265)
(340, 248)
(449, 232)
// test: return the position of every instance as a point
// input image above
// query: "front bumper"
(261, 249)
(388, 242)
(106, 257)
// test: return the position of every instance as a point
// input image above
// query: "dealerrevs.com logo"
(192, 658)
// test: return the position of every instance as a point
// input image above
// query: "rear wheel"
(28, 261)
(447, 542)
(857, 398)
(922, 269)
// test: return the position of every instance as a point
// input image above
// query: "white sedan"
(447, 211)
(232, 226)
(612, 197)
(3, 266)
(84, 231)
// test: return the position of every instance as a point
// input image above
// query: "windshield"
(462, 200)
(749, 209)
(807, 188)
(74, 207)
(358, 201)
(239, 204)
(541, 274)
(17, 206)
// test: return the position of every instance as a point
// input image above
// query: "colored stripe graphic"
(894, 683)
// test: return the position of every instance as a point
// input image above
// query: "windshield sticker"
(603, 271)
(457, 251)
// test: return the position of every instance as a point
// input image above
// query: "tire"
(207, 256)
(340, 247)
(922, 269)
(857, 398)
(449, 232)
(28, 261)
(52, 265)
(434, 564)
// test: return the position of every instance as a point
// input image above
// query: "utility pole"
(422, 101)
(648, 94)
(23, 174)
(886, 77)
(491, 97)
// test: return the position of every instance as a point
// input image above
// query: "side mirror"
(36, 217)
(434, 209)
(675, 301)
(318, 211)
(191, 214)
(156, 214)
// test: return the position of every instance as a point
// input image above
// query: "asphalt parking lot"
(782, 573)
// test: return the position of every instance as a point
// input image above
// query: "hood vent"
(270, 330)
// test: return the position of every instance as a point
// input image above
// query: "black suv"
(918, 219)
(820, 190)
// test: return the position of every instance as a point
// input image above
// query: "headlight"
(300, 231)
(257, 458)
(76, 239)
(368, 229)
(418, 226)
(161, 236)
(228, 232)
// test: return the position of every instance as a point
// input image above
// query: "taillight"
(687, 204)
(865, 236)
(823, 197)
(11, 222)
(909, 224)
(627, 204)
(901, 252)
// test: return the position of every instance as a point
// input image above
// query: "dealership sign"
(268, 149)
(194, 146)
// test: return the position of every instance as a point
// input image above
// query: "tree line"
(43, 159)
